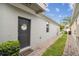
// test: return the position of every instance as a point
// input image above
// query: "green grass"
(57, 48)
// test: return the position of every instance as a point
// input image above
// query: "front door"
(23, 32)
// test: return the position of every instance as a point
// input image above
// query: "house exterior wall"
(9, 26)
(77, 25)
(73, 30)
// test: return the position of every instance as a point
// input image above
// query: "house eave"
(27, 9)
(75, 14)
(37, 7)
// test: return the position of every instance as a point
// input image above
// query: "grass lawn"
(57, 48)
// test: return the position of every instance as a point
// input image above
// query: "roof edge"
(50, 19)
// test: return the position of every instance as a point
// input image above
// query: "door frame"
(30, 33)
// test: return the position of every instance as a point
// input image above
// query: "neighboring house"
(26, 23)
(75, 22)
(66, 28)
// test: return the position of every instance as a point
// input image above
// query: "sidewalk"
(41, 50)
(71, 48)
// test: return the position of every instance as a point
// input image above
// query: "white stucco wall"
(77, 26)
(78, 19)
(9, 26)
(73, 30)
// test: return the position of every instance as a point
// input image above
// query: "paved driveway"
(71, 48)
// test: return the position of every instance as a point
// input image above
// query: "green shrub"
(65, 32)
(9, 48)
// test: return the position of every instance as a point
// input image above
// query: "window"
(47, 27)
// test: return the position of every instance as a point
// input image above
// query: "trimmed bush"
(9, 48)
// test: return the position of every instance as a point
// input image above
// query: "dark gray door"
(24, 32)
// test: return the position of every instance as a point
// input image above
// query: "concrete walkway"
(71, 48)
(41, 50)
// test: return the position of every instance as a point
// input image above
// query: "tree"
(67, 20)
(61, 27)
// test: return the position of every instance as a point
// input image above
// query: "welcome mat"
(26, 52)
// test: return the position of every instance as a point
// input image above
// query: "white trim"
(24, 48)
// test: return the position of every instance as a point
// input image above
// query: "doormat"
(26, 52)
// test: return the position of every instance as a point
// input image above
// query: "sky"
(58, 11)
